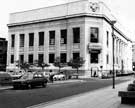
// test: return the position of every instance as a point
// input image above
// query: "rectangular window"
(21, 59)
(12, 58)
(63, 57)
(52, 38)
(1, 43)
(107, 59)
(94, 34)
(94, 57)
(63, 36)
(107, 40)
(41, 38)
(76, 55)
(30, 59)
(41, 57)
(51, 58)
(31, 39)
(76, 35)
(21, 40)
(12, 40)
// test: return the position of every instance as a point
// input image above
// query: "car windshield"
(38, 75)
(27, 76)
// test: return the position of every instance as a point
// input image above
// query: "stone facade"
(92, 19)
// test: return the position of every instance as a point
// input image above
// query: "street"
(11, 98)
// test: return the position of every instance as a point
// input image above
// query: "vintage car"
(59, 76)
(30, 80)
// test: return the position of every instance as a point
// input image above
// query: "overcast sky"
(124, 11)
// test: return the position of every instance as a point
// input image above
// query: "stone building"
(80, 28)
(133, 55)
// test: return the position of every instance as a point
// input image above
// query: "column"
(118, 52)
(9, 50)
(26, 47)
(46, 47)
(69, 43)
(115, 50)
(57, 42)
(17, 45)
(35, 45)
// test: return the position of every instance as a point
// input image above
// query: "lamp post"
(112, 24)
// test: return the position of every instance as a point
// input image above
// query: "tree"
(76, 63)
(41, 64)
(58, 63)
(25, 66)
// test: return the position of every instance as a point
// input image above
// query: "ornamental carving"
(94, 6)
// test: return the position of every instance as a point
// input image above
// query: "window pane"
(12, 40)
(94, 57)
(41, 57)
(76, 35)
(107, 59)
(12, 58)
(63, 36)
(94, 34)
(76, 55)
(107, 41)
(21, 40)
(51, 58)
(52, 37)
(31, 58)
(31, 39)
(63, 57)
(21, 58)
(41, 38)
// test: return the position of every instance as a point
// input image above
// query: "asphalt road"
(23, 98)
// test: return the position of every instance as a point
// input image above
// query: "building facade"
(133, 55)
(80, 28)
(3, 54)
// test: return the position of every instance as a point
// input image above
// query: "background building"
(133, 55)
(80, 28)
(3, 54)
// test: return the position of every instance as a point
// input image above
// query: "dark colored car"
(5, 78)
(30, 80)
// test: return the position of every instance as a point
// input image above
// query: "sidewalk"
(102, 98)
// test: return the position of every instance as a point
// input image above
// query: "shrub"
(131, 87)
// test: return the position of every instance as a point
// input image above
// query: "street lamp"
(112, 24)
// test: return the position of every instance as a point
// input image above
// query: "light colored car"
(59, 77)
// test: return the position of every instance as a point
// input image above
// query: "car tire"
(55, 79)
(15, 87)
(44, 84)
(29, 86)
(63, 78)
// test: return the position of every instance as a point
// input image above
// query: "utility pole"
(112, 24)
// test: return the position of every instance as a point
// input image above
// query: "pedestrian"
(51, 76)
(94, 73)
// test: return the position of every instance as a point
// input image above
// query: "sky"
(123, 10)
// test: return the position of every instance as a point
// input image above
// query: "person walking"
(51, 76)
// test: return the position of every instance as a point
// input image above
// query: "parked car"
(59, 77)
(30, 80)
(5, 78)
(16, 75)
